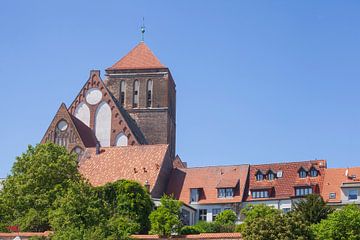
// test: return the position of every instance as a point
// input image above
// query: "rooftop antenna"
(143, 30)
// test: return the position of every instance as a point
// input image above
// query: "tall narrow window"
(149, 88)
(122, 92)
(136, 94)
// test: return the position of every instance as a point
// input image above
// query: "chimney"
(97, 148)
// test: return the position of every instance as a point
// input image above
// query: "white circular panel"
(62, 125)
(93, 96)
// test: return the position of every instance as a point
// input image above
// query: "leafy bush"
(208, 227)
(165, 220)
(186, 230)
(227, 217)
(341, 224)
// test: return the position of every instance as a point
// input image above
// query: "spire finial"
(143, 30)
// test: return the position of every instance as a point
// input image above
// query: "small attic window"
(302, 173)
(259, 176)
(332, 195)
(270, 175)
(314, 172)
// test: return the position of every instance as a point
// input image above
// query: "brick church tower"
(144, 87)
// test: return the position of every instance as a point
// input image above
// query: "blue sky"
(257, 81)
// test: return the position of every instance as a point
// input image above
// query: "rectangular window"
(215, 212)
(303, 191)
(225, 193)
(260, 194)
(202, 214)
(229, 192)
(332, 195)
(194, 195)
(221, 192)
(353, 194)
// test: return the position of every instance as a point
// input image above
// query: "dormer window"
(314, 172)
(225, 192)
(270, 175)
(302, 173)
(259, 176)
(194, 195)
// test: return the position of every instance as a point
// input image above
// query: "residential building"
(209, 190)
(281, 184)
(342, 186)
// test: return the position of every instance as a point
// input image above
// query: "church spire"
(143, 30)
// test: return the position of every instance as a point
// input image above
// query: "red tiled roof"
(283, 187)
(140, 57)
(26, 234)
(208, 178)
(235, 235)
(140, 163)
(334, 178)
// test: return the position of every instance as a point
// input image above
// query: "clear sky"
(257, 81)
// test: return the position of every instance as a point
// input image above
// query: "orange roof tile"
(334, 178)
(140, 57)
(209, 179)
(140, 163)
(284, 187)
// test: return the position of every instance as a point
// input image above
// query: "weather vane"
(143, 30)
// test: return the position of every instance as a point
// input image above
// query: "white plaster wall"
(209, 209)
(103, 124)
(277, 204)
(121, 140)
(82, 112)
(93, 96)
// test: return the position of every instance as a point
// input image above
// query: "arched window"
(149, 90)
(121, 140)
(122, 92)
(136, 94)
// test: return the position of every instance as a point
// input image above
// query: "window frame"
(197, 196)
(203, 214)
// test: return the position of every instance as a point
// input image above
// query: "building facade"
(125, 128)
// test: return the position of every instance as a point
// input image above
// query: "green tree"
(226, 217)
(37, 177)
(165, 220)
(266, 223)
(127, 198)
(343, 224)
(312, 208)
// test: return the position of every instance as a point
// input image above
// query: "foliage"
(38, 176)
(127, 198)
(340, 225)
(312, 209)
(265, 223)
(112, 211)
(226, 217)
(165, 220)
(186, 230)
(208, 227)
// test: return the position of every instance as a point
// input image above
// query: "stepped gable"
(284, 187)
(142, 163)
(208, 179)
(120, 122)
(335, 178)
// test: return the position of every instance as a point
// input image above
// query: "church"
(124, 127)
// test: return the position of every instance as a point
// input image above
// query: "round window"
(62, 125)
(93, 96)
